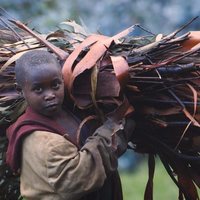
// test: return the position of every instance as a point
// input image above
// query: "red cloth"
(26, 124)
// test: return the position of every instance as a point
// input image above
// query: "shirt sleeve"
(72, 173)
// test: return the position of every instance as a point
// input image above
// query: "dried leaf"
(189, 116)
(60, 53)
(67, 68)
(121, 69)
(76, 27)
(11, 60)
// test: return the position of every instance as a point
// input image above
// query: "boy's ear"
(18, 88)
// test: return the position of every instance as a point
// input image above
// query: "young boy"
(43, 146)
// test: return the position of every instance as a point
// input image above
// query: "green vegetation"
(163, 17)
(134, 183)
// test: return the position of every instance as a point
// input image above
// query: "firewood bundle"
(155, 79)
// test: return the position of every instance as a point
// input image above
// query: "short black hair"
(30, 60)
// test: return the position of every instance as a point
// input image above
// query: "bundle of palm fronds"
(156, 78)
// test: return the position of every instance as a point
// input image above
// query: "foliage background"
(110, 17)
(107, 16)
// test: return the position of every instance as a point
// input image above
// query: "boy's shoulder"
(40, 143)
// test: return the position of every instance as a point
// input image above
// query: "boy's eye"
(56, 85)
(37, 89)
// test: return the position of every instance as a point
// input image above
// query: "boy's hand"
(118, 133)
(123, 136)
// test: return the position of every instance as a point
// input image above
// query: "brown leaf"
(59, 52)
(11, 60)
(121, 68)
(67, 68)
(97, 50)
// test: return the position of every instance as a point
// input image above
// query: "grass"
(134, 183)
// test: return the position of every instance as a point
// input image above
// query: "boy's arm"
(82, 171)
(121, 133)
(70, 173)
(52, 160)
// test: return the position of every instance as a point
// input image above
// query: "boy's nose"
(49, 96)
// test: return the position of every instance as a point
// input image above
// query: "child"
(43, 146)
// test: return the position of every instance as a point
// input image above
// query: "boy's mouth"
(52, 106)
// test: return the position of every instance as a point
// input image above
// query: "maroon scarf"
(27, 123)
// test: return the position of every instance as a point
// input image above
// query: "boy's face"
(44, 89)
